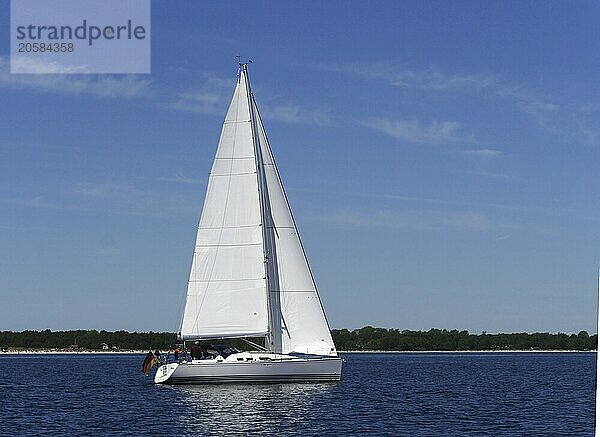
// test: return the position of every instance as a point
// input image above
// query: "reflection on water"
(233, 409)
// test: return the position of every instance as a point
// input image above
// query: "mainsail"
(226, 294)
(250, 275)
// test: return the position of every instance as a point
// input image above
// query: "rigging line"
(251, 343)
(181, 310)
(285, 327)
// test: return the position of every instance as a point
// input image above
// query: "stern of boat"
(164, 372)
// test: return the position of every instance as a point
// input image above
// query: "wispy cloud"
(213, 95)
(210, 97)
(291, 113)
(413, 220)
(490, 174)
(201, 102)
(413, 131)
(425, 202)
(181, 178)
(35, 202)
(113, 198)
(561, 117)
(428, 79)
(129, 199)
(482, 153)
(37, 66)
(106, 251)
(94, 85)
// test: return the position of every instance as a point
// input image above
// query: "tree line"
(369, 338)
(363, 339)
(86, 339)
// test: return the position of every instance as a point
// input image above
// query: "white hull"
(246, 367)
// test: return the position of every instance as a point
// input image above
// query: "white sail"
(226, 294)
(302, 324)
(250, 275)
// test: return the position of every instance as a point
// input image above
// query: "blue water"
(381, 394)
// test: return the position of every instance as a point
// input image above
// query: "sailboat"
(250, 277)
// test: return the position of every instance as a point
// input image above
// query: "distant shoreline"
(141, 352)
(363, 340)
(70, 352)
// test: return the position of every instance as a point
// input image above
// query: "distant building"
(104, 346)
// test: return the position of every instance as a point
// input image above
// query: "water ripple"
(397, 394)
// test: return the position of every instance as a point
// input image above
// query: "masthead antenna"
(240, 63)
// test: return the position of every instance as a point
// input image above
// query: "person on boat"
(158, 355)
(176, 352)
(196, 351)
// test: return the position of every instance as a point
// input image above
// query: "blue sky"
(441, 160)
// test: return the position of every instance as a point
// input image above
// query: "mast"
(273, 338)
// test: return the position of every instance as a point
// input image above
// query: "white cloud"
(94, 85)
(564, 117)
(413, 220)
(413, 131)
(112, 198)
(181, 178)
(490, 174)
(106, 251)
(429, 79)
(35, 202)
(37, 66)
(214, 94)
(129, 199)
(211, 97)
(483, 153)
(291, 113)
(202, 102)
